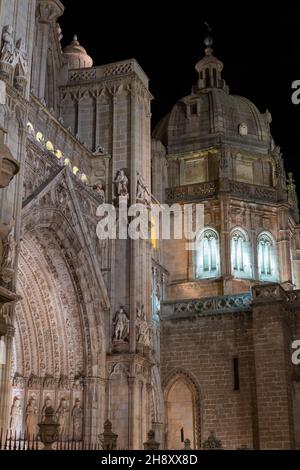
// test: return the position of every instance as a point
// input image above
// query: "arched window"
(240, 255)
(208, 255)
(267, 259)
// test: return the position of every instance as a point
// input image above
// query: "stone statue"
(16, 417)
(62, 417)
(59, 32)
(98, 188)
(292, 193)
(8, 55)
(121, 184)
(77, 419)
(9, 251)
(47, 404)
(21, 58)
(121, 325)
(143, 334)
(142, 192)
(31, 418)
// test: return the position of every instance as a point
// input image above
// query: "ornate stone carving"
(9, 167)
(191, 192)
(49, 382)
(121, 325)
(18, 381)
(8, 257)
(7, 55)
(31, 417)
(98, 188)
(212, 442)
(21, 59)
(16, 417)
(207, 306)
(143, 194)
(143, 331)
(292, 193)
(121, 185)
(77, 420)
(64, 383)
(62, 417)
(47, 404)
(34, 382)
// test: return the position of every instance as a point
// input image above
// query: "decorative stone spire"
(77, 56)
(210, 68)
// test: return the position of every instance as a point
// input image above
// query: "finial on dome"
(208, 41)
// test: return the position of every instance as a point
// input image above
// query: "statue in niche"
(62, 417)
(21, 58)
(9, 251)
(142, 192)
(77, 420)
(121, 325)
(142, 327)
(47, 404)
(292, 193)
(98, 188)
(243, 129)
(8, 55)
(31, 418)
(121, 184)
(16, 417)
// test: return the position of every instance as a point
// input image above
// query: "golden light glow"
(75, 170)
(67, 162)
(49, 146)
(154, 234)
(30, 128)
(40, 137)
(58, 154)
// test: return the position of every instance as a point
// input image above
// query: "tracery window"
(208, 255)
(240, 255)
(267, 259)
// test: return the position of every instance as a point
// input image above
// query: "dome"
(201, 119)
(77, 56)
(211, 115)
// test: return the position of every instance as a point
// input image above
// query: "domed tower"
(76, 56)
(219, 151)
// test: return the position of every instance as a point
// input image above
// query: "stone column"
(5, 380)
(273, 367)
(94, 389)
(47, 12)
(131, 412)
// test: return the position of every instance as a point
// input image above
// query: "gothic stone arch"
(60, 348)
(182, 409)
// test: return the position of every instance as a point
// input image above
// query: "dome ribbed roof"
(77, 56)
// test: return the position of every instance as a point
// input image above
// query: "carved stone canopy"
(9, 167)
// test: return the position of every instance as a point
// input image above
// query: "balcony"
(206, 306)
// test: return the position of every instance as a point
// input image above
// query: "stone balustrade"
(202, 191)
(207, 306)
(116, 69)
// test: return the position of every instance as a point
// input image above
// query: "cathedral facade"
(193, 344)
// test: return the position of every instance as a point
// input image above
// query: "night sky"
(260, 51)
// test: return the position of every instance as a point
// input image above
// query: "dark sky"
(260, 51)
